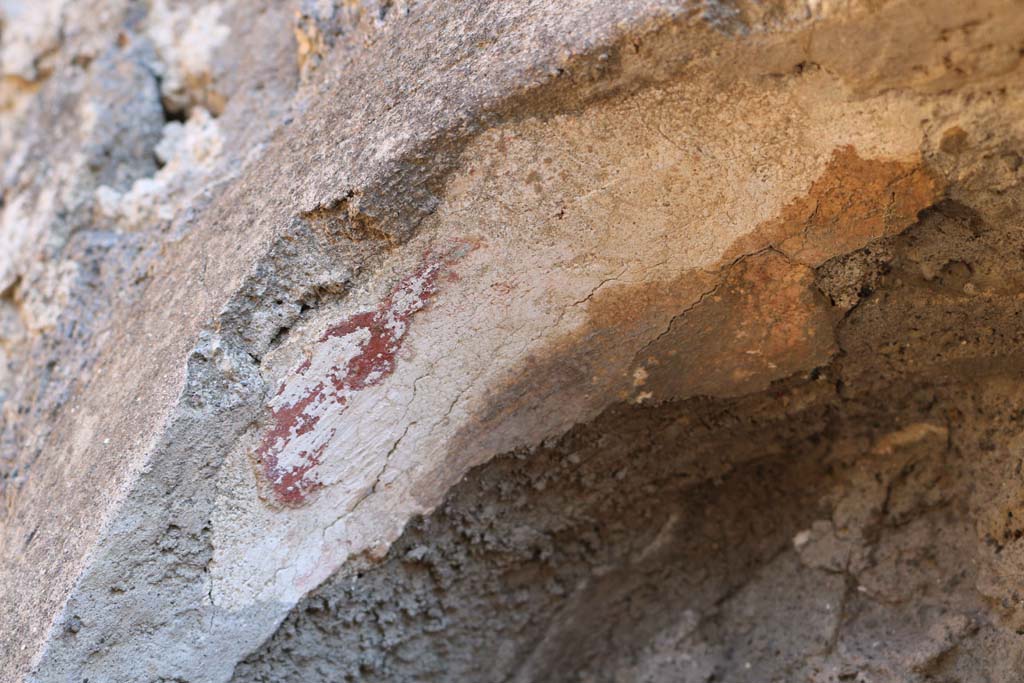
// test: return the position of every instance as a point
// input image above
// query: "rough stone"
(635, 341)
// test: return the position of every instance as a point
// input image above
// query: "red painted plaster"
(386, 325)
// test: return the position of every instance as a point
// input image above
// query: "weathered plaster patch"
(853, 202)
(723, 330)
(353, 354)
(764, 321)
(604, 230)
(530, 341)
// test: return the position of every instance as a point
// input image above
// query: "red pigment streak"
(375, 361)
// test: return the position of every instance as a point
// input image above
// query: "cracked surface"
(677, 209)
(834, 527)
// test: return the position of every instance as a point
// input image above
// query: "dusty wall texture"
(398, 340)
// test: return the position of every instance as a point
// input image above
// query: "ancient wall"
(512, 341)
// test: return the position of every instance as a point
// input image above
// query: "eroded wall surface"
(495, 341)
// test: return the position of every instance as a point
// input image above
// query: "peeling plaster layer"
(543, 329)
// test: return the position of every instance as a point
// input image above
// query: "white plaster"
(666, 209)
